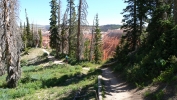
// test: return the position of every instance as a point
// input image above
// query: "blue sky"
(39, 11)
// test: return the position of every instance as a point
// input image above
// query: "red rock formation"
(45, 39)
(110, 41)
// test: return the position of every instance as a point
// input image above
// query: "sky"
(38, 11)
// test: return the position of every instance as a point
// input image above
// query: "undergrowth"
(54, 81)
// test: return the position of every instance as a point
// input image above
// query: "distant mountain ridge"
(103, 28)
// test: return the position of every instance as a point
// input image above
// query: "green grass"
(50, 82)
(40, 80)
(33, 53)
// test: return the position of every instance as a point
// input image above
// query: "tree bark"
(78, 34)
(12, 43)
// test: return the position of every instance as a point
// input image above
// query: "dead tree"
(64, 28)
(10, 42)
(36, 37)
(82, 14)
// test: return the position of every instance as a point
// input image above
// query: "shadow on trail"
(163, 91)
(115, 84)
(115, 81)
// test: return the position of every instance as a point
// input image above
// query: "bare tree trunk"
(12, 43)
(82, 41)
(78, 34)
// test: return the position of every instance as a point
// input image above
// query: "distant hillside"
(105, 28)
(42, 27)
(110, 41)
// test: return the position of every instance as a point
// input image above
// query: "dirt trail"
(116, 89)
(52, 58)
(45, 51)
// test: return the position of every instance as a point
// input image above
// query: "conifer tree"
(98, 42)
(86, 47)
(28, 32)
(59, 25)
(32, 35)
(130, 23)
(175, 10)
(40, 36)
(54, 37)
(72, 18)
(91, 42)
(24, 37)
(158, 46)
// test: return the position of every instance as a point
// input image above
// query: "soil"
(117, 89)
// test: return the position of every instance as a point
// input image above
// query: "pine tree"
(40, 36)
(32, 35)
(158, 46)
(24, 37)
(130, 24)
(72, 18)
(159, 15)
(91, 43)
(98, 42)
(28, 32)
(86, 52)
(73, 36)
(175, 11)
(54, 37)
(59, 25)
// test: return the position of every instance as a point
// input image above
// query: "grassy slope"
(33, 53)
(51, 82)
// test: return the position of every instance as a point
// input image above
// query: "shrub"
(26, 79)
(72, 61)
(45, 54)
(53, 53)
(23, 62)
(26, 51)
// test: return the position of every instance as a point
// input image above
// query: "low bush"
(45, 55)
(72, 61)
(53, 53)
(23, 63)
